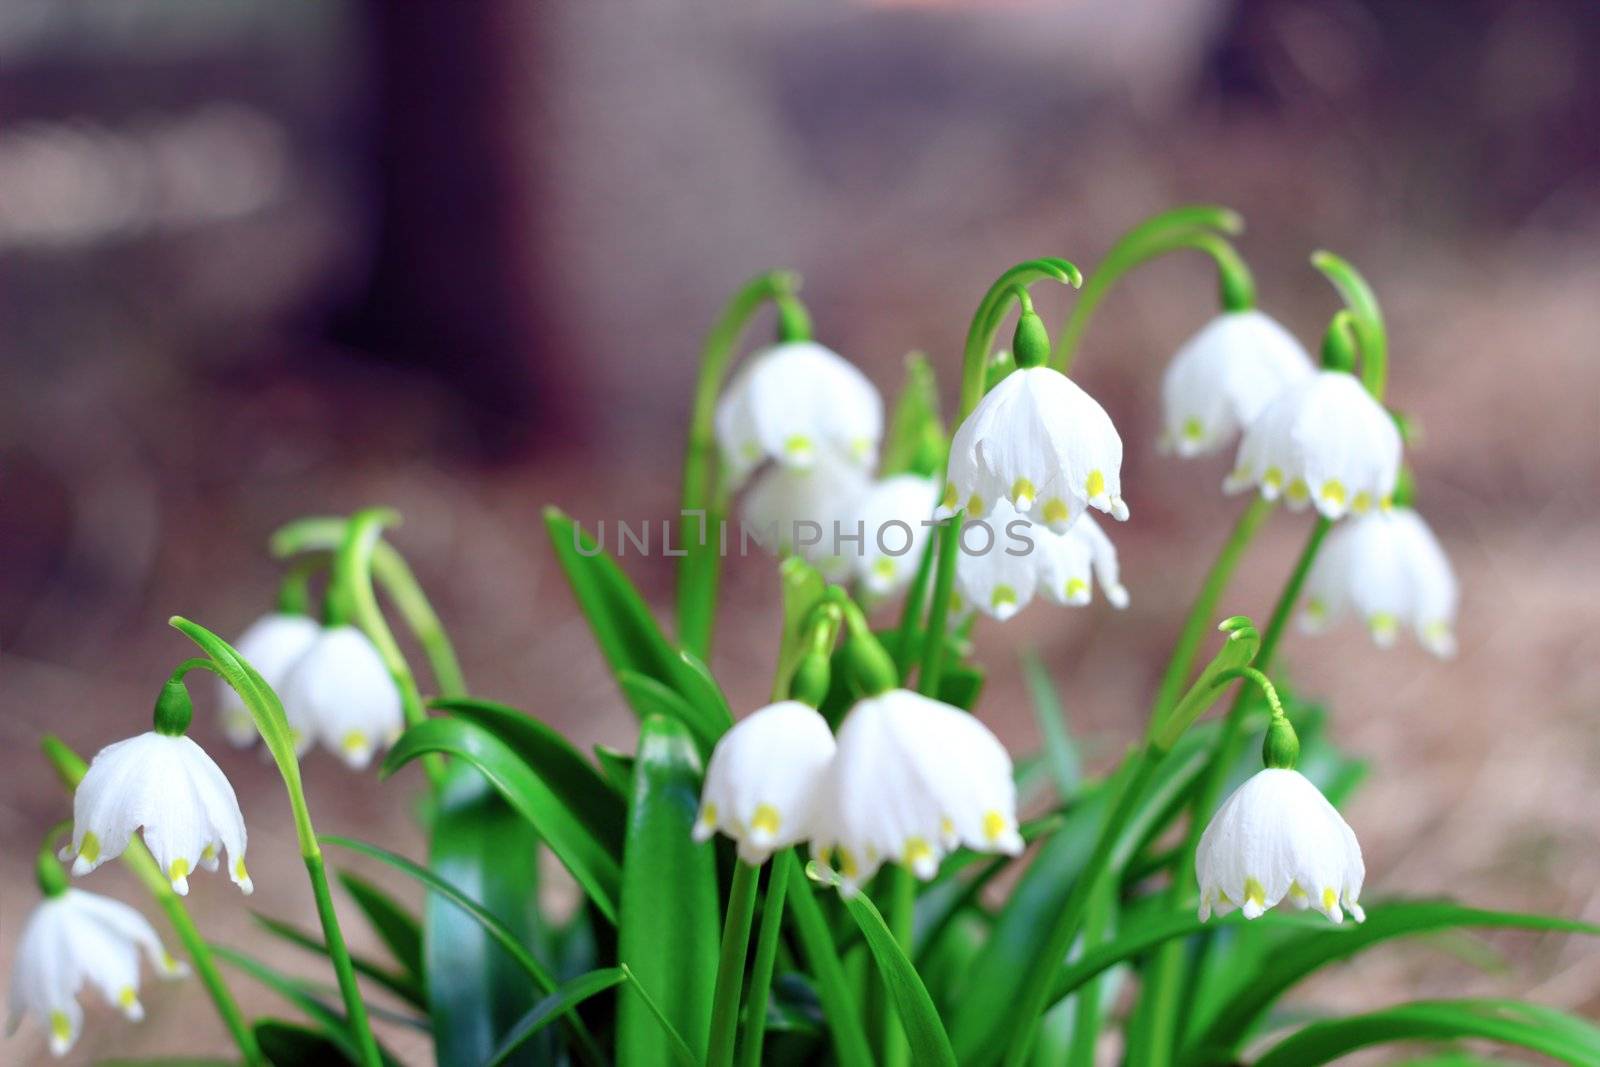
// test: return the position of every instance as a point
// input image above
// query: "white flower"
(804, 510)
(339, 693)
(77, 937)
(893, 514)
(999, 561)
(790, 403)
(271, 645)
(1224, 376)
(913, 778)
(1067, 560)
(1278, 837)
(764, 777)
(168, 786)
(1040, 442)
(1388, 568)
(1324, 440)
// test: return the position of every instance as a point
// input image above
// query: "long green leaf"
(929, 1042)
(287, 1044)
(397, 928)
(1528, 1026)
(402, 985)
(833, 990)
(647, 696)
(1061, 755)
(669, 931)
(332, 1024)
(1288, 963)
(530, 796)
(674, 1044)
(566, 997)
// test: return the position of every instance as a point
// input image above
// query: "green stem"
(702, 508)
(294, 592)
(902, 913)
(70, 768)
(939, 611)
(755, 1023)
(355, 1007)
(1371, 336)
(849, 1039)
(905, 647)
(1086, 1003)
(730, 964)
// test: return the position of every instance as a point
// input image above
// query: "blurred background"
(266, 259)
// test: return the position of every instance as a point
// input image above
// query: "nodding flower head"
(1224, 376)
(340, 694)
(1388, 569)
(765, 774)
(1041, 443)
(168, 786)
(271, 645)
(998, 567)
(806, 511)
(1323, 441)
(75, 938)
(893, 514)
(1067, 561)
(792, 402)
(1277, 838)
(913, 779)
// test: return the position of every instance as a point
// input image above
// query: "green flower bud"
(811, 679)
(174, 709)
(1030, 346)
(1281, 748)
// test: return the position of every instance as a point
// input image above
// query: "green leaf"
(566, 997)
(803, 588)
(669, 934)
(289, 1045)
(616, 766)
(959, 686)
(648, 697)
(1530, 1026)
(405, 986)
(694, 680)
(396, 927)
(679, 1049)
(1061, 755)
(332, 1025)
(929, 1042)
(833, 989)
(914, 424)
(594, 867)
(1291, 961)
(590, 798)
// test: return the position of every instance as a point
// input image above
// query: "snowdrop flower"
(764, 777)
(790, 403)
(913, 778)
(339, 693)
(73, 938)
(803, 510)
(1388, 568)
(166, 784)
(1278, 837)
(1224, 376)
(1323, 441)
(999, 562)
(1067, 560)
(271, 645)
(892, 515)
(1041, 443)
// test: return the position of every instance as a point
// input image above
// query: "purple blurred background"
(267, 259)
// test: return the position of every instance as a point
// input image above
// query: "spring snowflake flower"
(892, 515)
(1323, 441)
(804, 510)
(1001, 572)
(339, 693)
(764, 777)
(913, 778)
(167, 785)
(1066, 562)
(1388, 568)
(271, 645)
(1224, 376)
(1041, 443)
(73, 938)
(1278, 837)
(790, 403)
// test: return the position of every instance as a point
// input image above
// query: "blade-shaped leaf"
(647, 696)
(1061, 755)
(673, 1043)
(591, 864)
(402, 985)
(331, 1024)
(286, 1044)
(566, 997)
(669, 934)
(397, 928)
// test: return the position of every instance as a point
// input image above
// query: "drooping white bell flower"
(1040, 442)
(271, 645)
(999, 562)
(764, 777)
(1277, 838)
(1388, 569)
(339, 694)
(893, 517)
(913, 778)
(1324, 441)
(167, 785)
(74, 938)
(790, 403)
(1066, 562)
(1224, 376)
(808, 511)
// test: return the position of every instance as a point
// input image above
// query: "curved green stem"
(902, 915)
(294, 592)
(932, 671)
(266, 710)
(755, 1026)
(703, 507)
(1371, 336)
(730, 964)
(70, 768)
(991, 311)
